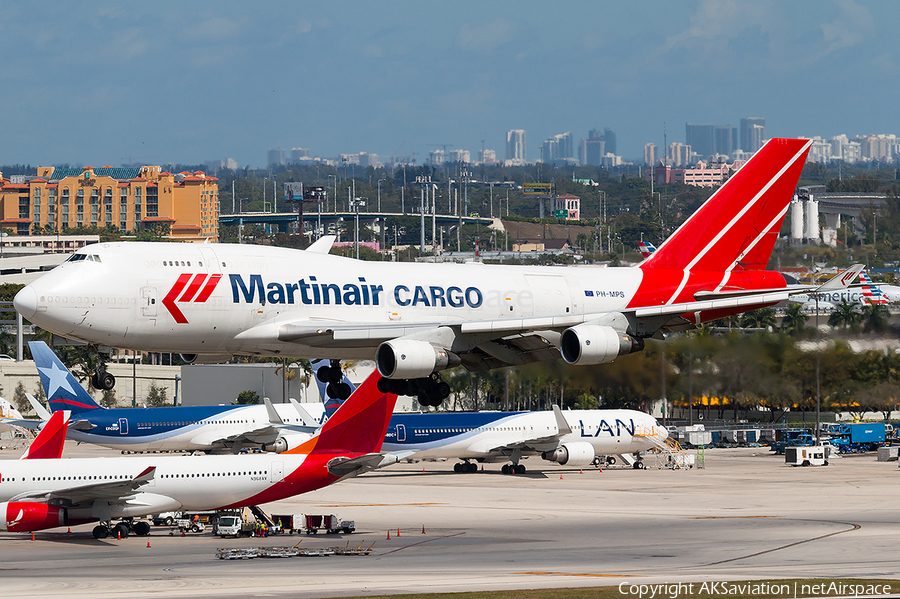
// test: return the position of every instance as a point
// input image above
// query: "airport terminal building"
(127, 198)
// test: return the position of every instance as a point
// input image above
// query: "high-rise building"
(606, 135)
(700, 138)
(275, 156)
(558, 147)
(487, 156)
(707, 140)
(753, 132)
(592, 151)
(679, 155)
(298, 154)
(725, 139)
(515, 146)
(650, 154)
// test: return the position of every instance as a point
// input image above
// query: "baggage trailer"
(331, 524)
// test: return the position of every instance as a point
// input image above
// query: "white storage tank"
(812, 219)
(797, 224)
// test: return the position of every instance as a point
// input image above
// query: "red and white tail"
(737, 227)
(48, 445)
(358, 426)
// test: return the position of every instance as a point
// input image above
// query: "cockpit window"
(79, 257)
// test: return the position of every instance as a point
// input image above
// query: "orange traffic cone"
(70, 530)
(423, 470)
(32, 536)
(423, 529)
(581, 471)
(148, 544)
(119, 535)
(182, 530)
(389, 536)
(560, 477)
(398, 531)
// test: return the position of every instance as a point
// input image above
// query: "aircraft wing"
(112, 492)
(542, 443)
(343, 466)
(18, 423)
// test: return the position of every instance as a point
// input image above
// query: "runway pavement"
(744, 516)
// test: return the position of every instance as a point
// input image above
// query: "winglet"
(305, 417)
(63, 391)
(48, 445)
(39, 409)
(561, 424)
(274, 418)
(841, 280)
(322, 245)
(146, 476)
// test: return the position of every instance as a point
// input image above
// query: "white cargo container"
(813, 455)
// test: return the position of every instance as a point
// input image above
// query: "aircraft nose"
(26, 302)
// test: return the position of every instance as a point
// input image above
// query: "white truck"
(236, 524)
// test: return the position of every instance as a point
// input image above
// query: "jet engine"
(26, 516)
(412, 359)
(573, 454)
(596, 344)
(282, 444)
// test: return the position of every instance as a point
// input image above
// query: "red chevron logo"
(191, 284)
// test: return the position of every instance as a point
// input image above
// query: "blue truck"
(858, 437)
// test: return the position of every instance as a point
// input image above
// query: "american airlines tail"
(63, 390)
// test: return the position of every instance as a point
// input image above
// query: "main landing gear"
(430, 391)
(103, 380)
(513, 469)
(121, 530)
(333, 375)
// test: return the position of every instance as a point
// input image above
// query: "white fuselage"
(180, 482)
(223, 298)
(477, 435)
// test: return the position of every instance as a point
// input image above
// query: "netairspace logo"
(753, 589)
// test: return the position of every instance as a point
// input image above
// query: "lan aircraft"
(418, 319)
(38, 494)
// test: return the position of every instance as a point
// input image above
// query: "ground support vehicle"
(813, 455)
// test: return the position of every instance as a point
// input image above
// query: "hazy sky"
(155, 82)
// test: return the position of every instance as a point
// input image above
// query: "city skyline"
(189, 83)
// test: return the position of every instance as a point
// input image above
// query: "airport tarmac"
(744, 516)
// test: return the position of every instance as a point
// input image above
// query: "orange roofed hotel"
(126, 198)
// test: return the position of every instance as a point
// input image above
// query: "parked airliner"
(221, 428)
(48, 493)
(419, 319)
(571, 437)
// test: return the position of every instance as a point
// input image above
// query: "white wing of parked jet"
(117, 490)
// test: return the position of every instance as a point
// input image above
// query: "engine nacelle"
(412, 359)
(26, 516)
(596, 344)
(283, 444)
(573, 454)
(204, 358)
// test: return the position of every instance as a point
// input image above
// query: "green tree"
(108, 398)
(794, 320)
(764, 318)
(875, 318)
(247, 398)
(22, 403)
(156, 397)
(844, 315)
